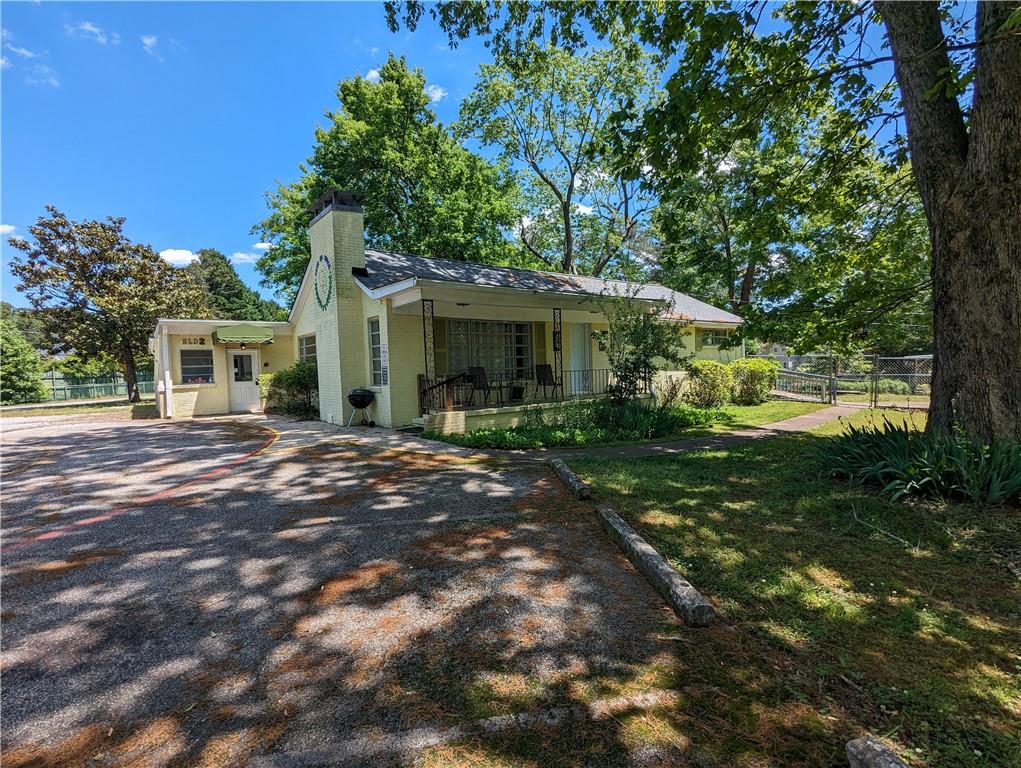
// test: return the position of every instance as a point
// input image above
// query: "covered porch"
(489, 353)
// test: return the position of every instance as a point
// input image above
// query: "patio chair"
(480, 383)
(544, 378)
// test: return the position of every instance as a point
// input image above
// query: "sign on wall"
(384, 361)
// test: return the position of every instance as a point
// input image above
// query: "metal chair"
(480, 383)
(544, 378)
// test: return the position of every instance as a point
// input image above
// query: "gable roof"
(385, 268)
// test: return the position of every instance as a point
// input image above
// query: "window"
(196, 366)
(502, 348)
(243, 368)
(713, 338)
(375, 352)
(307, 348)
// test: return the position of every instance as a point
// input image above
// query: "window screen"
(196, 366)
(307, 348)
(503, 348)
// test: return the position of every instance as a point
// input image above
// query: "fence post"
(875, 379)
(833, 380)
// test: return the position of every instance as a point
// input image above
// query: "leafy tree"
(227, 295)
(811, 257)
(28, 322)
(21, 368)
(78, 367)
(545, 111)
(99, 293)
(422, 191)
(956, 84)
(639, 342)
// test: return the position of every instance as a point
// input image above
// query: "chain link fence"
(867, 380)
(63, 388)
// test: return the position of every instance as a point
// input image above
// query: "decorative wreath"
(323, 281)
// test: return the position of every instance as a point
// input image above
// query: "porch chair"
(544, 378)
(480, 383)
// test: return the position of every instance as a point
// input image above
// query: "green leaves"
(226, 294)
(96, 292)
(422, 192)
(21, 368)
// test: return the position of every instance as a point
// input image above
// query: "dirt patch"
(37, 573)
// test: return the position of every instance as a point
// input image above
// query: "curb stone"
(579, 488)
(689, 604)
(870, 752)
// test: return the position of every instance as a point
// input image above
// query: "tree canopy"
(21, 368)
(98, 293)
(227, 296)
(422, 192)
(951, 108)
(546, 112)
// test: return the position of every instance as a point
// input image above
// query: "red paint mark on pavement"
(117, 511)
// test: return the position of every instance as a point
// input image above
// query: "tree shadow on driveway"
(315, 602)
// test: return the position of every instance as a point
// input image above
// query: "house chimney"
(337, 240)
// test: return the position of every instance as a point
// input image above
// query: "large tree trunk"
(131, 376)
(969, 179)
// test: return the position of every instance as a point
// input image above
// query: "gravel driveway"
(209, 593)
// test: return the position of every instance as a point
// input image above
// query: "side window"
(307, 348)
(196, 366)
(375, 352)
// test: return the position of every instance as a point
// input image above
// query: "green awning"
(242, 334)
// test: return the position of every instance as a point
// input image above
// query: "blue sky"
(179, 116)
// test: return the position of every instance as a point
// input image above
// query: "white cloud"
(240, 257)
(7, 229)
(89, 31)
(179, 257)
(42, 74)
(4, 62)
(22, 52)
(373, 50)
(584, 210)
(262, 246)
(151, 45)
(435, 92)
(373, 76)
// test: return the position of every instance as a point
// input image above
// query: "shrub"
(21, 368)
(587, 423)
(885, 386)
(294, 390)
(754, 379)
(906, 462)
(711, 384)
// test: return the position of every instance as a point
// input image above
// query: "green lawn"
(840, 612)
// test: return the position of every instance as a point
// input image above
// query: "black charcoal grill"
(361, 399)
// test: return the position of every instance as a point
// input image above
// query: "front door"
(242, 368)
(580, 358)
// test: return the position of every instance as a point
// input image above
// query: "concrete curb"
(682, 597)
(579, 488)
(870, 752)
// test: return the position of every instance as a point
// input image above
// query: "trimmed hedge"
(754, 379)
(711, 384)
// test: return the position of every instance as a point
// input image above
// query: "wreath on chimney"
(323, 281)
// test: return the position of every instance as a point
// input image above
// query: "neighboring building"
(409, 328)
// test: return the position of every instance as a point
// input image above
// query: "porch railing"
(458, 391)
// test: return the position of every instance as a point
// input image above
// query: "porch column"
(558, 350)
(165, 376)
(428, 334)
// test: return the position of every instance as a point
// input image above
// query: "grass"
(144, 410)
(840, 613)
(707, 422)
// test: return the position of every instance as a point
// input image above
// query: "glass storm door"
(242, 370)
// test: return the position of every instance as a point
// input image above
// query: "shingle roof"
(386, 268)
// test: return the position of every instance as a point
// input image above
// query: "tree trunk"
(131, 376)
(968, 179)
